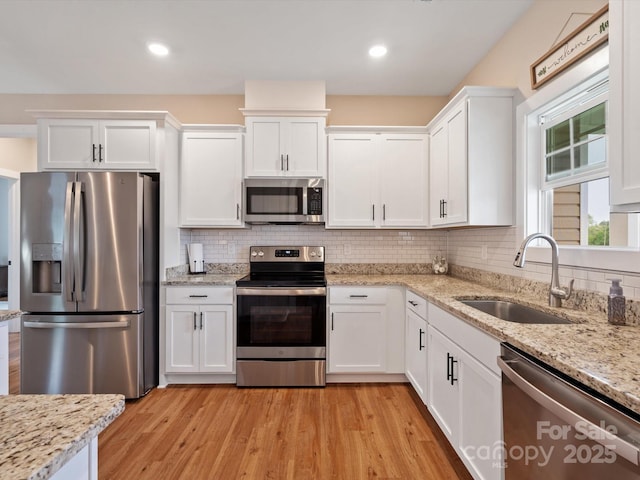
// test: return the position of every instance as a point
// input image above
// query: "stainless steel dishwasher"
(557, 428)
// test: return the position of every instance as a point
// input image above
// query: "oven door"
(281, 323)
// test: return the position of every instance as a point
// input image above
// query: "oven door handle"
(281, 291)
(602, 436)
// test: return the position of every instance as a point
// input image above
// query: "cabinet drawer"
(417, 304)
(357, 296)
(199, 295)
(477, 343)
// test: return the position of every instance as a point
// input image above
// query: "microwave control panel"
(314, 201)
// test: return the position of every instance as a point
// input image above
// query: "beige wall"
(546, 23)
(225, 109)
(18, 154)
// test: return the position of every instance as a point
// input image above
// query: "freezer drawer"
(82, 354)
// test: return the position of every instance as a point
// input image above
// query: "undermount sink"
(514, 312)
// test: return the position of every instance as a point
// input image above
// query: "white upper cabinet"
(624, 101)
(211, 178)
(377, 180)
(471, 159)
(81, 143)
(285, 147)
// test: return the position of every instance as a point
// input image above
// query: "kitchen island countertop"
(6, 315)
(40, 433)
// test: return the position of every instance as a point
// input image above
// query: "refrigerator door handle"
(68, 243)
(78, 243)
(83, 325)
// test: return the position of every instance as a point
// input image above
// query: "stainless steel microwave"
(284, 200)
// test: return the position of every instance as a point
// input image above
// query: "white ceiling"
(99, 46)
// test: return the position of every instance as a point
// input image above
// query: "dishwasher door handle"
(604, 438)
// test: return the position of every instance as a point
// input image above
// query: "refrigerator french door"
(89, 282)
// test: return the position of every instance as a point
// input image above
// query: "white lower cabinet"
(365, 330)
(199, 330)
(416, 344)
(4, 358)
(464, 391)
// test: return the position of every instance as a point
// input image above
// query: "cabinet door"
(216, 338)
(265, 149)
(441, 393)
(181, 347)
(403, 180)
(304, 151)
(480, 419)
(357, 339)
(456, 206)
(624, 101)
(68, 144)
(438, 173)
(352, 180)
(416, 353)
(128, 144)
(4, 359)
(211, 179)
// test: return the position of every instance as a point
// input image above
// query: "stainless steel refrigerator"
(89, 282)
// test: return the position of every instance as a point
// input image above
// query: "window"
(575, 176)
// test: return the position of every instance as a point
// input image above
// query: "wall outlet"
(484, 254)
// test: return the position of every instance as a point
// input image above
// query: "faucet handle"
(561, 292)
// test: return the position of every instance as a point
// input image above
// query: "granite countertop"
(209, 279)
(40, 433)
(6, 315)
(602, 356)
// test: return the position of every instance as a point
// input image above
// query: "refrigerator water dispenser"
(47, 267)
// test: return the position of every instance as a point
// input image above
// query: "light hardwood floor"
(222, 432)
(343, 431)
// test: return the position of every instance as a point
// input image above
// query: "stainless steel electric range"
(281, 318)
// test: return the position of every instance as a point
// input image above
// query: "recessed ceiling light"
(158, 49)
(378, 51)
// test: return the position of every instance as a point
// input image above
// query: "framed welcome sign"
(587, 37)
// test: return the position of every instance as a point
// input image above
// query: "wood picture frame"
(583, 40)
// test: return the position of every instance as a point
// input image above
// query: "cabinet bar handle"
(281, 161)
(415, 304)
(100, 147)
(287, 162)
(237, 211)
(373, 209)
(200, 320)
(198, 296)
(444, 208)
(420, 344)
(451, 361)
(384, 211)
(94, 152)
(358, 296)
(194, 320)
(332, 322)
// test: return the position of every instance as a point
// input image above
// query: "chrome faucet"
(556, 292)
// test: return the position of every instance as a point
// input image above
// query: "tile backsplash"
(341, 246)
(488, 249)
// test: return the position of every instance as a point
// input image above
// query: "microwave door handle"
(304, 199)
(67, 264)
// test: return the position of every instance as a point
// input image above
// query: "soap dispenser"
(616, 304)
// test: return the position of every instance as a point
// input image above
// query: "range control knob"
(261, 253)
(254, 253)
(313, 253)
